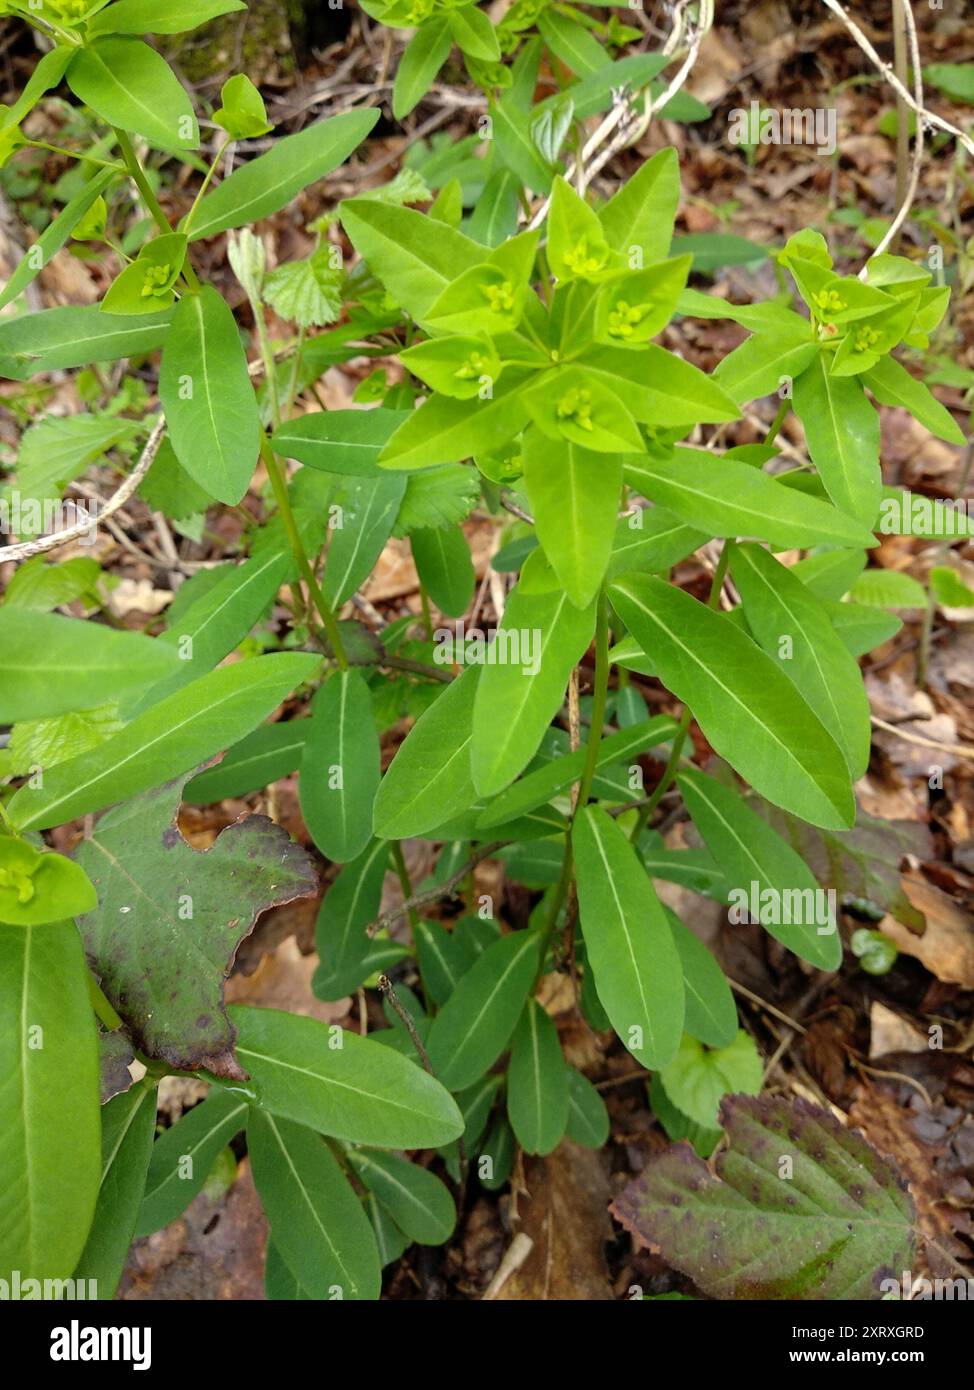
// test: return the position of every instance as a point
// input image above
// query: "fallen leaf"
(946, 947)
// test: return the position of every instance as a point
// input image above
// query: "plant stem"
(779, 419)
(275, 472)
(106, 1014)
(150, 199)
(402, 873)
(900, 67)
(73, 154)
(205, 185)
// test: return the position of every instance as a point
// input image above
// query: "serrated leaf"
(161, 902)
(437, 497)
(698, 1077)
(834, 1229)
(307, 292)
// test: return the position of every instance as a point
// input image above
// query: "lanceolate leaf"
(628, 942)
(52, 665)
(711, 1014)
(182, 1157)
(763, 869)
(419, 1203)
(425, 54)
(746, 708)
(340, 441)
(652, 539)
(151, 17)
(574, 496)
(892, 384)
(319, 1226)
(641, 214)
(842, 430)
(340, 767)
(730, 498)
(50, 1129)
(173, 736)
(206, 393)
(162, 904)
(127, 1127)
(537, 1083)
(269, 182)
(75, 337)
(444, 566)
(523, 684)
(430, 779)
(831, 1224)
(793, 628)
(476, 1023)
(368, 513)
(129, 85)
(340, 1084)
(349, 905)
(269, 753)
(54, 236)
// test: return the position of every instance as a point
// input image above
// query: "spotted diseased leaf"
(833, 1222)
(170, 919)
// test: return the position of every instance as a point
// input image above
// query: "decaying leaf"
(169, 921)
(801, 1208)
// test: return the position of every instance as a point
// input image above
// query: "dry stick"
(906, 190)
(386, 988)
(26, 549)
(431, 895)
(889, 75)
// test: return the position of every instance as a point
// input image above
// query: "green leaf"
(54, 236)
(948, 589)
(169, 489)
(659, 388)
(306, 292)
(442, 960)
(698, 1077)
(574, 45)
(422, 59)
(53, 453)
(340, 1084)
(730, 498)
(42, 587)
(49, 71)
(183, 1156)
(955, 80)
(543, 783)
(274, 179)
(56, 339)
(368, 511)
(50, 1128)
(791, 625)
(861, 628)
(318, 1224)
(268, 754)
(588, 1118)
(127, 1126)
(765, 361)
(429, 780)
(679, 1126)
(833, 1228)
(746, 708)
(764, 872)
(711, 1014)
(476, 1022)
(540, 639)
(652, 538)
(147, 284)
(474, 33)
(206, 393)
(218, 621)
(53, 665)
(40, 887)
(574, 497)
(159, 16)
(415, 257)
(242, 113)
(178, 733)
(537, 1083)
(641, 214)
(340, 767)
(340, 441)
(129, 85)
(159, 902)
(628, 942)
(830, 574)
(349, 905)
(515, 148)
(879, 588)
(444, 566)
(437, 497)
(445, 430)
(713, 250)
(842, 432)
(416, 1199)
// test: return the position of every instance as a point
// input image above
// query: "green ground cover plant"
(519, 369)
